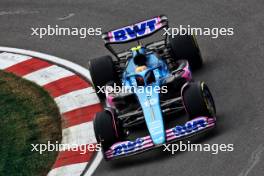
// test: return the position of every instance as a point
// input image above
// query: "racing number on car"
(150, 102)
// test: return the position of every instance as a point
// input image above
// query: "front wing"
(177, 133)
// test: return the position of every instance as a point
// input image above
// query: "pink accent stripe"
(170, 138)
(66, 85)
(148, 145)
(27, 66)
(80, 115)
(110, 36)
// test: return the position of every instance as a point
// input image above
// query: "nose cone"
(156, 130)
(159, 140)
(153, 116)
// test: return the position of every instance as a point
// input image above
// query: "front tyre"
(198, 100)
(106, 128)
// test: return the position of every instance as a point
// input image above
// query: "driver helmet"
(140, 61)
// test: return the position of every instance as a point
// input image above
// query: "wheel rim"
(208, 99)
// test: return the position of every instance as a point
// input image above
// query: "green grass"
(28, 115)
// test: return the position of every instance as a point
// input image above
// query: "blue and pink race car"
(145, 84)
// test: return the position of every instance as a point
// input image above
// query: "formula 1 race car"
(155, 81)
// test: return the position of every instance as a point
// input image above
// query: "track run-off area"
(233, 70)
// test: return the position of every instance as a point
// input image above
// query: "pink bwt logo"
(133, 31)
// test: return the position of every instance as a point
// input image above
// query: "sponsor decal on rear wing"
(136, 31)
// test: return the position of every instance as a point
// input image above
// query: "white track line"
(253, 160)
(76, 99)
(94, 164)
(69, 170)
(65, 170)
(9, 59)
(48, 75)
(79, 134)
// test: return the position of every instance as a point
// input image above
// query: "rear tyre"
(102, 70)
(198, 100)
(186, 47)
(106, 129)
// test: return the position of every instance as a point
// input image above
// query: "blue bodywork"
(146, 94)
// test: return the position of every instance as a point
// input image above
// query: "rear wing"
(135, 31)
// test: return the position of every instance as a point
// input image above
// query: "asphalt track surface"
(233, 70)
